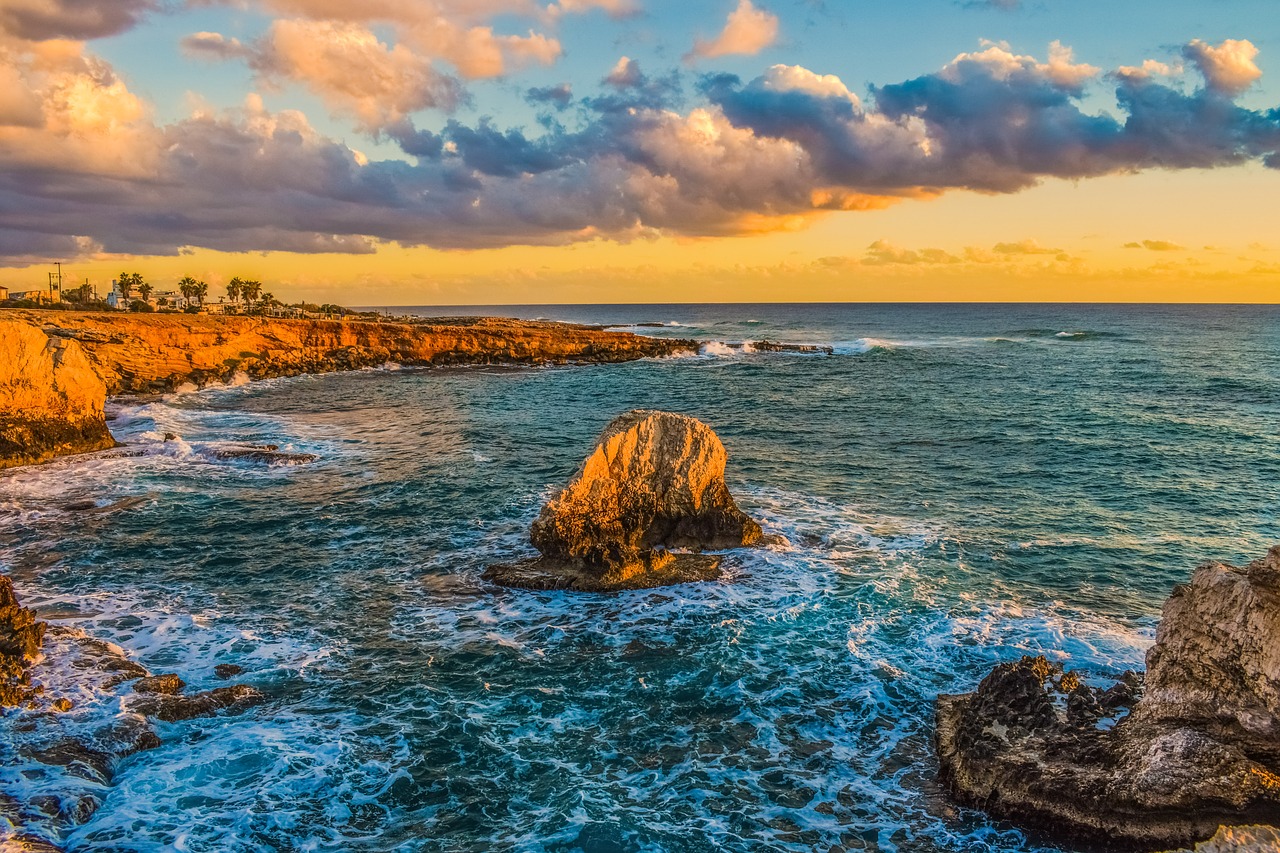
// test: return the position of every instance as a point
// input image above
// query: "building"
(4, 293)
(44, 297)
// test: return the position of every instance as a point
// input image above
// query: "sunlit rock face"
(1146, 763)
(1239, 839)
(653, 482)
(51, 399)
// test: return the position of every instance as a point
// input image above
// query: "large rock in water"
(655, 481)
(21, 636)
(50, 397)
(1126, 767)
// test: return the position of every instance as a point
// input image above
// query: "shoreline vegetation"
(57, 368)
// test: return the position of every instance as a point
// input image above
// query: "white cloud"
(747, 31)
(1228, 68)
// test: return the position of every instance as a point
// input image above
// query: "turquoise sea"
(960, 485)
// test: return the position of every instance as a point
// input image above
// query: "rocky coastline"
(58, 367)
(1153, 761)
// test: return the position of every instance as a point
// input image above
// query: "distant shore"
(58, 367)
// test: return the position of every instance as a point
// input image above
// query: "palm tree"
(187, 286)
(125, 285)
(144, 290)
(234, 289)
(251, 290)
(201, 290)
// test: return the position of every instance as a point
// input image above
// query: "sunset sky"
(417, 152)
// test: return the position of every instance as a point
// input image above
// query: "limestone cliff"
(50, 397)
(56, 367)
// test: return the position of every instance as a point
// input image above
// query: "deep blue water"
(960, 485)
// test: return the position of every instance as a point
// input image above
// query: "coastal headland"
(57, 367)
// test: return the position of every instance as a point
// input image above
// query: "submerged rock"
(165, 685)
(654, 482)
(1159, 765)
(267, 454)
(176, 708)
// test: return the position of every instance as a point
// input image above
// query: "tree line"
(246, 290)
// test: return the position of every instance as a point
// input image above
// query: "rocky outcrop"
(1146, 763)
(21, 636)
(1239, 839)
(51, 398)
(653, 482)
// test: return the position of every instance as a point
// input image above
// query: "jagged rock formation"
(654, 481)
(1239, 839)
(56, 367)
(1136, 766)
(50, 397)
(21, 636)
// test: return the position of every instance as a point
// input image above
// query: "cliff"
(56, 367)
(51, 397)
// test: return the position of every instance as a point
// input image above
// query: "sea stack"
(654, 482)
(1149, 763)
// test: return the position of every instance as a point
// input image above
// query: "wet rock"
(1145, 763)
(653, 482)
(266, 454)
(165, 685)
(227, 670)
(172, 709)
(21, 636)
(80, 759)
(62, 705)
(28, 844)
(774, 346)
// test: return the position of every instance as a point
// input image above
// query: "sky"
(446, 152)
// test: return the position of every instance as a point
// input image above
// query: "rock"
(1147, 763)
(21, 636)
(1240, 839)
(227, 670)
(172, 709)
(266, 454)
(62, 705)
(653, 482)
(51, 400)
(774, 346)
(164, 685)
(27, 844)
(1216, 660)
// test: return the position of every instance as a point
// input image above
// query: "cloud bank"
(85, 167)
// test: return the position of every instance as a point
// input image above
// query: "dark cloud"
(784, 144)
(557, 96)
(38, 20)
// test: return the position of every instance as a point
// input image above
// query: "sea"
(959, 485)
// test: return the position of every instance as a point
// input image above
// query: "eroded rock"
(1240, 839)
(654, 482)
(1142, 764)
(21, 636)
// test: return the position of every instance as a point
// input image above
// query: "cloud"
(748, 31)
(81, 155)
(1155, 246)
(1024, 247)
(559, 96)
(1228, 68)
(206, 45)
(39, 20)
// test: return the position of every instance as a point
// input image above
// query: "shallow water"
(961, 485)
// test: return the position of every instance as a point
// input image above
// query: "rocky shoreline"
(41, 667)
(1153, 761)
(58, 367)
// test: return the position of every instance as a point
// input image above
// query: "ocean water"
(960, 485)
